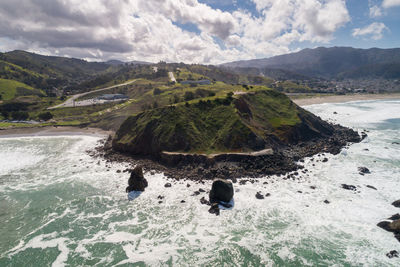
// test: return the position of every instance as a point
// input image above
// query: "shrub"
(157, 91)
(20, 115)
(188, 96)
(45, 116)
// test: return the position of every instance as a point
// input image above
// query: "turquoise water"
(60, 207)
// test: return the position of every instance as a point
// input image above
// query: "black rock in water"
(384, 225)
(396, 203)
(204, 201)
(349, 187)
(221, 190)
(326, 201)
(259, 196)
(395, 217)
(214, 209)
(136, 181)
(363, 170)
(392, 254)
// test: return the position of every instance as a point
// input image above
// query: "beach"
(342, 98)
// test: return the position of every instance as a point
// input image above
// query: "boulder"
(396, 203)
(136, 181)
(221, 190)
(259, 196)
(392, 254)
(349, 187)
(363, 170)
(204, 201)
(214, 209)
(395, 217)
(393, 226)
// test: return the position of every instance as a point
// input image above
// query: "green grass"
(9, 89)
(210, 125)
(184, 74)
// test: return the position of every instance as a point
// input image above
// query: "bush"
(157, 91)
(45, 116)
(188, 96)
(20, 115)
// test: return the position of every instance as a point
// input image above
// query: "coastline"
(342, 98)
(52, 131)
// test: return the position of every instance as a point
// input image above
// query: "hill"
(242, 123)
(329, 62)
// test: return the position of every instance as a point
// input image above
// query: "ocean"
(60, 207)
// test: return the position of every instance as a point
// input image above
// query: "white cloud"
(390, 3)
(374, 30)
(148, 29)
(375, 11)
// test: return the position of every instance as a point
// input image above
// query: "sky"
(194, 31)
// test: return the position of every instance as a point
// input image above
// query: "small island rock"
(221, 190)
(136, 181)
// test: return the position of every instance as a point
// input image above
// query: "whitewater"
(61, 207)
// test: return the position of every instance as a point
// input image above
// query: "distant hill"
(332, 62)
(116, 62)
(47, 72)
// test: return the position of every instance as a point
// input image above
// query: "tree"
(45, 116)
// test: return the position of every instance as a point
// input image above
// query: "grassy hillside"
(245, 122)
(10, 89)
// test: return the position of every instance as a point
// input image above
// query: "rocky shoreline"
(284, 160)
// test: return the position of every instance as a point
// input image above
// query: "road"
(70, 101)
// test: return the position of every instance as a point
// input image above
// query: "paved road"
(70, 101)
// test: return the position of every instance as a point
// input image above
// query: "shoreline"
(313, 100)
(52, 131)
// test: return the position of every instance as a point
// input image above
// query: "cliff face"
(243, 123)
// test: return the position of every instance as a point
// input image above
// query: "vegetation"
(245, 122)
(10, 89)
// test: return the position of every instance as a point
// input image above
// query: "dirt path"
(267, 151)
(70, 101)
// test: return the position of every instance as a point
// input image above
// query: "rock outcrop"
(136, 181)
(396, 203)
(221, 190)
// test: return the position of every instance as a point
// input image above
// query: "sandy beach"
(52, 131)
(343, 98)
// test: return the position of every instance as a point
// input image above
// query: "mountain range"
(330, 63)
